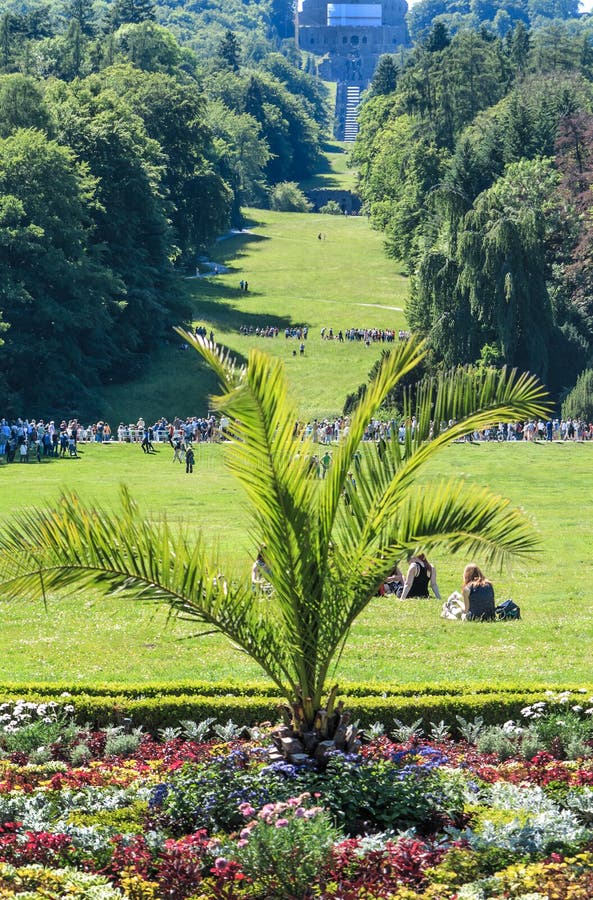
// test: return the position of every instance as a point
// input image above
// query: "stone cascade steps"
(352, 104)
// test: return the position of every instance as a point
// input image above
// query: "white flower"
(576, 708)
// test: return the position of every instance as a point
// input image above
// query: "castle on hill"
(350, 37)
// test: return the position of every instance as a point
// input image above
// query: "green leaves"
(326, 556)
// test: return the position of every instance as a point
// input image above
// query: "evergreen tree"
(438, 38)
(519, 46)
(131, 12)
(229, 51)
(385, 77)
(75, 47)
(82, 12)
(7, 22)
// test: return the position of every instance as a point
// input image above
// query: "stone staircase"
(352, 103)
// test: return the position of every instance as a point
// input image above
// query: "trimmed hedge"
(265, 689)
(160, 711)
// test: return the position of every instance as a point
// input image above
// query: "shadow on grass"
(231, 248)
(213, 309)
(331, 147)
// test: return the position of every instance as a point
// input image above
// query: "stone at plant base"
(310, 740)
(341, 732)
(300, 759)
(291, 745)
(323, 748)
(279, 732)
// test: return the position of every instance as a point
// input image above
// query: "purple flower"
(281, 823)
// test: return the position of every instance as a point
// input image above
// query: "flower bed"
(505, 813)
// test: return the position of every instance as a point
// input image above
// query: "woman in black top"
(420, 575)
(478, 595)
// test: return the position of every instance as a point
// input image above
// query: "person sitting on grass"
(478, 595)
(419, 576)
(260, 572)
(394, 583)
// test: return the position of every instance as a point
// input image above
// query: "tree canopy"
(477, 168)
(165, 140)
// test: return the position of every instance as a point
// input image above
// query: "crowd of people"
(25, 440)
(298, 332)
(259, 331)
(367, 336)
(30, 440)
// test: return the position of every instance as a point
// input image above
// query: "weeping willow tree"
(503, 261)
(329, 543)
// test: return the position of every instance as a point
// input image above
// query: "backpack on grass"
(508, 609)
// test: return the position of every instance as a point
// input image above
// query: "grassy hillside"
(85, 638)
(294, 278)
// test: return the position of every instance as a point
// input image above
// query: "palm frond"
(73, 546)
(478, 398)
(467, 399)
(394, 366)
(272, 462)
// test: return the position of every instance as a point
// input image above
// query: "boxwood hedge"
(159, 705)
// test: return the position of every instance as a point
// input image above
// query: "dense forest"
(476, 160)
(132, 132)
(497, 16)
(123, 152)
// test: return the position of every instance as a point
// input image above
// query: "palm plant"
(329, 544)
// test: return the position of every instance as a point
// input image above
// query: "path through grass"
(342, 281)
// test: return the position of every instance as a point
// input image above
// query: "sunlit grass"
(88, 639)
(294, 278)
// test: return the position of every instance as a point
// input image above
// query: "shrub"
(159, 706)
(208, 795)
(283, 845)
(55, 883)
(287, 197)
(579, 402)
(331, 208)
(382, 794)
(122, 744)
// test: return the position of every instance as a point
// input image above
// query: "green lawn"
(334, 173)
(294, 279)
(87, 639)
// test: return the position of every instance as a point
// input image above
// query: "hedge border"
(267, 689)
(154, 713)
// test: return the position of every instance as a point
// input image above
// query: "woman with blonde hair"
(478, 595)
